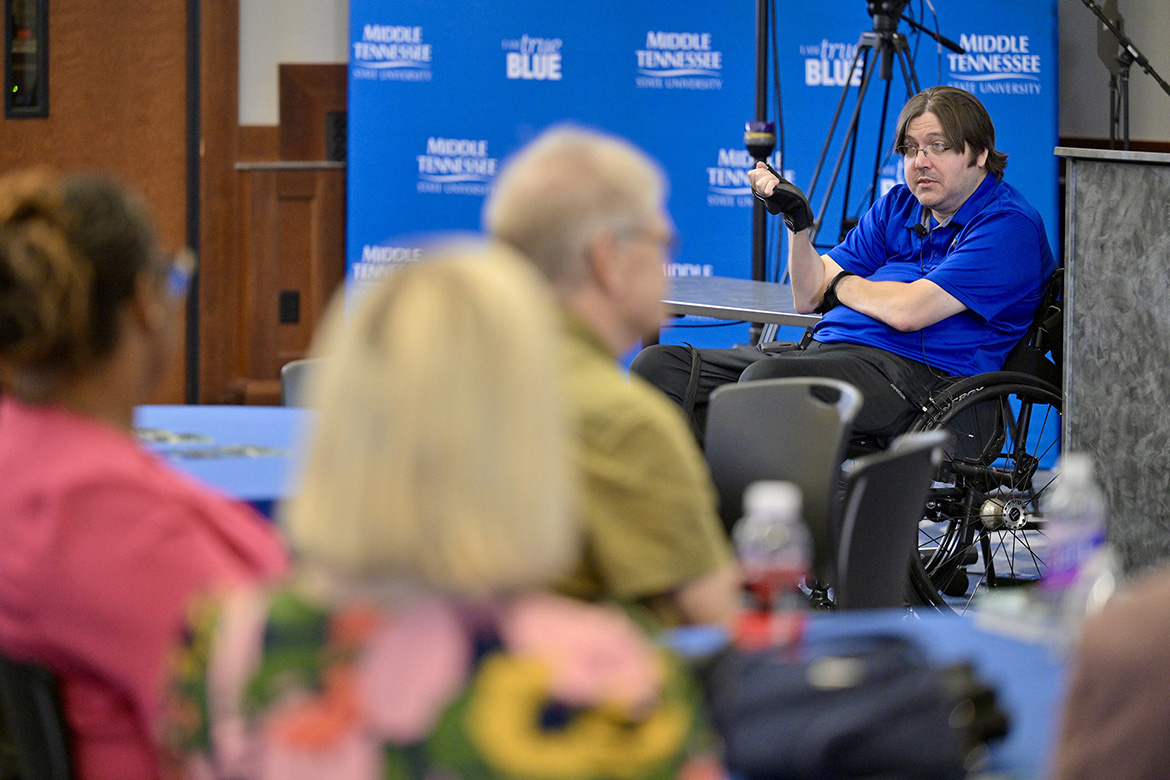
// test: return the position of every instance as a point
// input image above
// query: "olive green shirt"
(650, 514)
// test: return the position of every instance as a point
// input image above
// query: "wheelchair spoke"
(983, 528)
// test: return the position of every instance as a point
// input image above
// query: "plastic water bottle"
(1082, 571)
(774, 548)
(1074, 520)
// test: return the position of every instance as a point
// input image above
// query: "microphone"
(921, 230)
(760, 139)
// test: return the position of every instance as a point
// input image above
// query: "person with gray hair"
(588, 210)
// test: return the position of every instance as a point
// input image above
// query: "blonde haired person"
(101, 544)
(435, 509)
(437, 436)
(588, 210)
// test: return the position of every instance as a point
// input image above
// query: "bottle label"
(1066, 557)
(768, 580)
(759, 630)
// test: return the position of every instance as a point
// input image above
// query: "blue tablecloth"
(244, 451)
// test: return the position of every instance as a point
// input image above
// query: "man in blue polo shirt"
(939, 279)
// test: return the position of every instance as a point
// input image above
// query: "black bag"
(879, 710)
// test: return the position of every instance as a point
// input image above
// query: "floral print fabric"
(273, 687)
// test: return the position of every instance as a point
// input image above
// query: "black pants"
(893, 388)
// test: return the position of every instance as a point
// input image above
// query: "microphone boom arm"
(942, 39)
(1127, 45)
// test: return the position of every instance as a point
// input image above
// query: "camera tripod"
(877, 50)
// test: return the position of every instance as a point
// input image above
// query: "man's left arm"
(904, 306)
(990, 264)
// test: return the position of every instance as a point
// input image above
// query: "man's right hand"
(781, 196)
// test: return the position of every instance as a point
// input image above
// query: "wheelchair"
(983, 527)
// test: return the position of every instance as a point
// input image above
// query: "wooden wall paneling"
(219, 279)
(118, 104)
(259, 143)
(259, 248)
(328, 271)
(309, 93)
(292, 228)
(104, 115)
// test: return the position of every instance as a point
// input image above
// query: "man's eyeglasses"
(936, 149)
(179, 272)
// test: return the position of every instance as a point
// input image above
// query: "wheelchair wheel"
(983, 527)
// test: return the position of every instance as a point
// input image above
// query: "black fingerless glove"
(789, 201)
(830, 299)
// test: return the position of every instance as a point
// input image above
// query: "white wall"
(276, 31)
(285, 31)
(1084, 77)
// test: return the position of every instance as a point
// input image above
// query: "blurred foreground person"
(418, 638)
(589, 211)
(1116, 710)
(101, 543)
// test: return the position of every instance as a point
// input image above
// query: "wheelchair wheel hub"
(1000, 513)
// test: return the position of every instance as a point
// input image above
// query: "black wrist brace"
(830, 299)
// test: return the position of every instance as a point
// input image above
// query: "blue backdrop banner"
(442, 91)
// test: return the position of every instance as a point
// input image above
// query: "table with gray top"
(724, 298)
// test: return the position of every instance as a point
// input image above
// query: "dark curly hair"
(71, 249)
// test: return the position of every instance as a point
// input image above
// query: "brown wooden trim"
(259, 143)
(261, 265)
(309, 93)
(258, 392)
(291, 244)
(219, 281)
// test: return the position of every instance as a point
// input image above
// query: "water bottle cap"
(1075, 467)
(772, 497)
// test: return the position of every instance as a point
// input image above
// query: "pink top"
(101, 547)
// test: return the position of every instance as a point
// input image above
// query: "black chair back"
(792, 430)
(885, 497)
(1041, 351)
(32, 723)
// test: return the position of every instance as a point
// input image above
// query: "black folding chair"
(792, 430)
(32, 726)
(885, 496)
